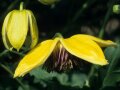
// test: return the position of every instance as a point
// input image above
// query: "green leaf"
(42, 76)
(27, 87)
(72, 79)
(40, 73)
(109, 53)
(113, 55)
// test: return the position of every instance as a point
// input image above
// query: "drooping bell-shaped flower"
(19, 24)
(84, 47)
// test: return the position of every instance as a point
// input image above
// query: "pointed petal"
(17, 28)
(102, 43)
(33, 29)
(85, 49)
(4, 31)
(36, 57)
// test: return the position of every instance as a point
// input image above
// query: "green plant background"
(69, 17)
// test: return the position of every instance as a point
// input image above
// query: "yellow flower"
(48, 2)
(82, 46)
(18, 24)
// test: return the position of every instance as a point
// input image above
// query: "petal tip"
(15, 75)
(18, 75)
(112, 43)
(105, 62)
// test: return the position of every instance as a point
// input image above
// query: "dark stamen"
(61, 60)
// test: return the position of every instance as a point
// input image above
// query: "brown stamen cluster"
(61, 60)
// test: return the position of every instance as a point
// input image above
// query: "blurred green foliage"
(73, 79)
(68, 17)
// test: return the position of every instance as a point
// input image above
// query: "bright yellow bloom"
(82, 46)
(18, 24)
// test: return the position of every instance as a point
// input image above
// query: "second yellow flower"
(16, 26)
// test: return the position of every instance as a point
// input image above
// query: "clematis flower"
(84, 47)
(19, 24)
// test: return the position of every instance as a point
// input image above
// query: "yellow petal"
(36, 57)
(102, 43)
(17, 28)
(4, 31)
(33, 29)
(85, 49)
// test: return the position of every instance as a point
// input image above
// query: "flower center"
(61, 60)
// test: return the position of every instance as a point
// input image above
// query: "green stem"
(101, 33)
(77, 15)
(18, 53)
(58, 35)
(84, 6)
(21, 5)
(92, 70)
(9, 71)
(4, 52)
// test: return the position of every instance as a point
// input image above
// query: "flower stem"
(58, 35)
(21, 5)
(9, 71)
(18, 53)
(4, 52)
(84, 7)
(92, 70)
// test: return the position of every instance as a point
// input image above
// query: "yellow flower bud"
(18, 24)
(48, 2)
(116, 9)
